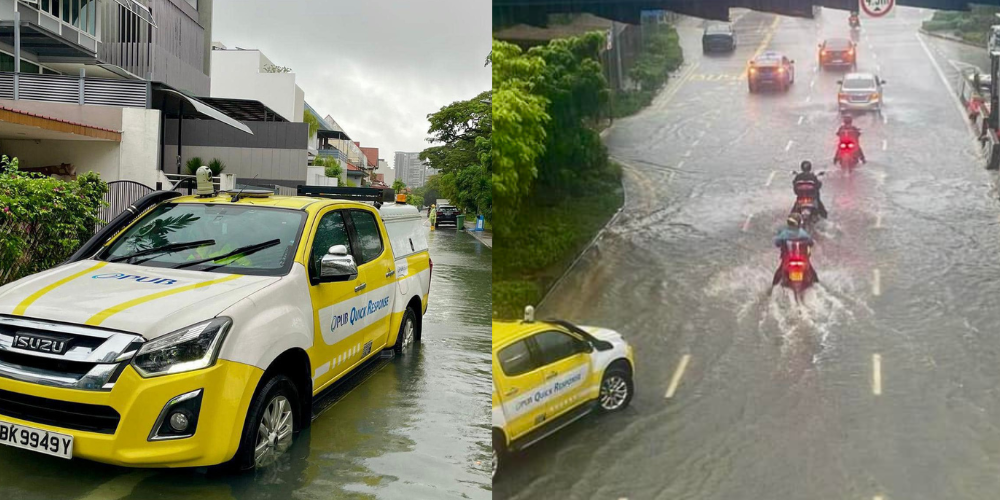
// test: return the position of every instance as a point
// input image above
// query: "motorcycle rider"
(806, 175)
(854, 20)
(792, 232)
(848, 129)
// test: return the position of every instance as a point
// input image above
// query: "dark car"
(770, 69)
(838, 52)
(446, 215)
(718, 38)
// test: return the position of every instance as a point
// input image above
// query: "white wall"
(140, 145)
(317, 177)
(87, 156)
(236, 74)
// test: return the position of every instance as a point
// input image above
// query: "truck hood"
(606, 335)
(149, 301)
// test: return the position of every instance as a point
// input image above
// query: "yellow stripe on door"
(99, 318)
(19, 310)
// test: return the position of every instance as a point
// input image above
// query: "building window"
(7, 64)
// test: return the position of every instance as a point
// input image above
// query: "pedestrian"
(974, 107)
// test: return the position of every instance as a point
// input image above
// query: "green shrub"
(510, 297)
(44, 220)
(193, 165)
(216, 166)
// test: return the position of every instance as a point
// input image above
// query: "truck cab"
(196, 330)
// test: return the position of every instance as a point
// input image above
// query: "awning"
(139, 10)
(206, 110)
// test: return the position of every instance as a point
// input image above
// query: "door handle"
(551, 375)
(360, 287)
(390, 272)
(511, 392)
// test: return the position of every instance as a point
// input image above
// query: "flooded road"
(882, 382)
(410, 428)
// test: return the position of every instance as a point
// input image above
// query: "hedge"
(43, 220)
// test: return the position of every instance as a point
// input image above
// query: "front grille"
(88, 358)
(77, 416)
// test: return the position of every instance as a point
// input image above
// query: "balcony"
(74, 90)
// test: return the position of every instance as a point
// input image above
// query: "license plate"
(29, 438)
(795, 276)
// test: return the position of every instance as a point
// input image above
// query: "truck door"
(333, 304)
(376, 263)
(565, 369)
(518, 383)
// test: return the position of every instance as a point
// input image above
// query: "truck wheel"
(271, 423)
(499, 454)
(616, 390)
(407, 333)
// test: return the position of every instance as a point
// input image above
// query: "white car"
(860, 92)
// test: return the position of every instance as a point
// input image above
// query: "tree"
(331, 166)
(312, 120)
(398, 186)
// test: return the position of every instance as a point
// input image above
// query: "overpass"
(507, 12)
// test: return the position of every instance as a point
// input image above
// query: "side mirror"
(792, 61)
(337, 265)
(883, 82)
(840, 82)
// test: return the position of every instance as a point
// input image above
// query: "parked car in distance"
(446, 214)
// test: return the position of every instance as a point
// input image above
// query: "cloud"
(378, 67)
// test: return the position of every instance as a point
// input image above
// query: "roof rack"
(375, 195)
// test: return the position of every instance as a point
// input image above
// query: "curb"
(478, 235)
(590, 245)
(935, 34)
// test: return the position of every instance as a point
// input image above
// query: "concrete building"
(387, 172)
(80, 98)
(250, 75)
(410, 169)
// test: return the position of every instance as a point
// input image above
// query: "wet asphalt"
(403, 428)
(884, 382)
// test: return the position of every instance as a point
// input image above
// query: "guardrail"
(74, 89)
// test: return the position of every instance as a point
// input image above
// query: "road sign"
(876, 8)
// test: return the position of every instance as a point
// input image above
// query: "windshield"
(204, 237)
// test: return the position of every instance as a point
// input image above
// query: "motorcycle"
(796, 270)
(847, 152)
(807, 203)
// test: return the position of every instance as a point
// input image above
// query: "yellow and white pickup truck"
(196, 330)
(549, 374)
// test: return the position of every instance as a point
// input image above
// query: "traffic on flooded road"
(805, 270)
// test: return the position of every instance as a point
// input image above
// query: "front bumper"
(228, 389)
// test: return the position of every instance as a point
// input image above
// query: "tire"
(499, 453)
(268, 398)
(616, 390)
(408, 334)
(751, 88)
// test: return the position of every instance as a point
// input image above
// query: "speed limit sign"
(877, 8)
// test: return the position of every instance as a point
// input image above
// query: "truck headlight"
(191, 348)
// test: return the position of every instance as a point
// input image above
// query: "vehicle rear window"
(718, 30)
(859, 83)
(515, 359)
(837, 44)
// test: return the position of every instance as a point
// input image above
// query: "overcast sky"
(379, 67)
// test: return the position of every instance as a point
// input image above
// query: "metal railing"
(74, 89)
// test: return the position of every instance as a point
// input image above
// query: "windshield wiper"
(172, 247)
(243, 251)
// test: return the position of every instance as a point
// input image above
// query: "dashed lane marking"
(885, 144)
(770, 178)
(809, 99)
(877, 375)
(812, 84)
(789, 145)
(885, 118)
(696, 143)
(801, 118)
(676, 379)
(746, 224)
(876, 283)
(687, 154)
(878, 220)
(680, 164)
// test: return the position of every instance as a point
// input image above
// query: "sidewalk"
(486, 237)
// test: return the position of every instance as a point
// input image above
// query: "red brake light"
(796, 263)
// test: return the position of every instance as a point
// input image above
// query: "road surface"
(411, 428)
(884, 383)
